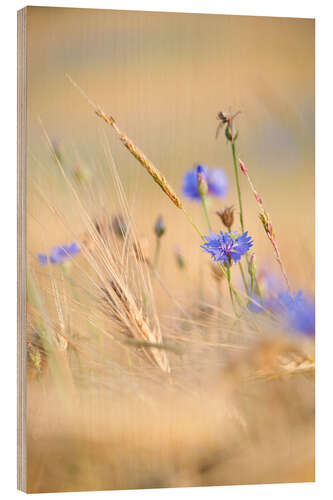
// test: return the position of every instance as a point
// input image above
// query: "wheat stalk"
(133, 149)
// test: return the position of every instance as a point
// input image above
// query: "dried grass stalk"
(121, 306)
(140, 156)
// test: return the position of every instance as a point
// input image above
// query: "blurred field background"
(164, 77)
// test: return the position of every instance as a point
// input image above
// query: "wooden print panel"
(166, 250)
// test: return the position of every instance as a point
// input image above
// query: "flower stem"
(252, 283)
(193, 224)
(238, 186)
(243, 276)
(241, 218)
(231, 291)
(157, 251)
(205, 210)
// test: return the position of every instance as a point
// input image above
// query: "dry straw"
(111, 268)
(266, 222)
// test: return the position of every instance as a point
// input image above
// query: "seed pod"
(227, 217)
(231, 133)
(266, 222)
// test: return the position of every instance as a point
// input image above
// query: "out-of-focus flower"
(227, 247)
(216, 179)
(59, 254)
(297, 311)
(42, 259)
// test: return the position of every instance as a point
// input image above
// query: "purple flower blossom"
(216, 179)
(59, 254)
(297, 311)
(227, 247)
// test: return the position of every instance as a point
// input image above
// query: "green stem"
(193, 223)
(258, 290)
(231, 291)
(252, 283)
(243, 276)
(205, 210)
(157, 251)
(251, 290)
(238, 186)
(241, 218)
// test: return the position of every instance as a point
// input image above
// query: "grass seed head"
(143, 160)
(266, 222)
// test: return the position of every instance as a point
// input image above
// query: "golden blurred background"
(164, 77)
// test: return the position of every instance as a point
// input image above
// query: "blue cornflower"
(216, 179)
(297, 311)
(59, 253)
(227, 247)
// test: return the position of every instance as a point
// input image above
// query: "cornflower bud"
(119, 225)
(252, 265)
(179, 258)
(159, 227)
(201, 181)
